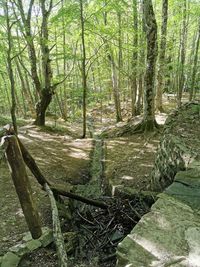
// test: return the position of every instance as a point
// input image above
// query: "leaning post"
(22, 184)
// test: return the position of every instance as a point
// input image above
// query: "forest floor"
(65, 159)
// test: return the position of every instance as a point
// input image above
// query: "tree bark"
(10, 68)
(183, 42)
(149, 91)
(111, 59)
(160, 77)
(26, 91)
(115, 87)
(194, 71)
(22, 185)
(84, 75)
(134, 60)
(47, 91)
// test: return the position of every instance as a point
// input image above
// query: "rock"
(27, 237)
(19, 249)
(159, 239)
(10, 260)
(22, 249)
(47, 236)
(33, 245)
(45, 239)
(179, 146)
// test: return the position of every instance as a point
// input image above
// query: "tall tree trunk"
(182, 54)
(134, 59)
(26, 28)
(115, 87)
(194, 71)
(44, 91)
(120, 55)
(142, 58)
(160, 77)
(47, 91)
(116, 94)
(10, 67)
(149, 94)
(26, 93)
(65, 106)
(6, 89)
(84, 75)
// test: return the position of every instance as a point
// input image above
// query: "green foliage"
(66, 53)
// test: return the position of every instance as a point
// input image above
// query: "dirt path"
(62, 159)
(66, 160)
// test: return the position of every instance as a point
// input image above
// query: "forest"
(99, 111)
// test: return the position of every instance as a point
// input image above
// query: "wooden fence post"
(22, 185)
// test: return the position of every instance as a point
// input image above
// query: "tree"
(47, 91)
(134, 59)
(162, 56)
(149, 122)
(9, 65)
(114, 78)
(194, 71)
(84, 74)
(183, 42)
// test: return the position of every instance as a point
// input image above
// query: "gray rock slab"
(47, 236)
(19, 249)
(10, 260)
(160, 237)
(186, 188)
(33, 245)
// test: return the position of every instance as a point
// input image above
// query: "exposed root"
(145, 127)
(130, 128)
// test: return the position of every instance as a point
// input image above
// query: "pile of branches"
(100, 230)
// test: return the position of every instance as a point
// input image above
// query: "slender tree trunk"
(134, 59)
(182, 54)
(26, 93)
(116, 94)
(6, 90)
(100, 89)
(142, 59)
(59, 97)
(29, 40)
(84, 75)
(10, 67)
(160, 77)
(115, 87)
(47, 91)
(120, 54)
(194, 71)
(149, 94)
(65, 106)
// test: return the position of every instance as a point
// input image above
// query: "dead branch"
(58, 237)
(85, 200)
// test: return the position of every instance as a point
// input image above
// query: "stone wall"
(179, 145)
(169, 235)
